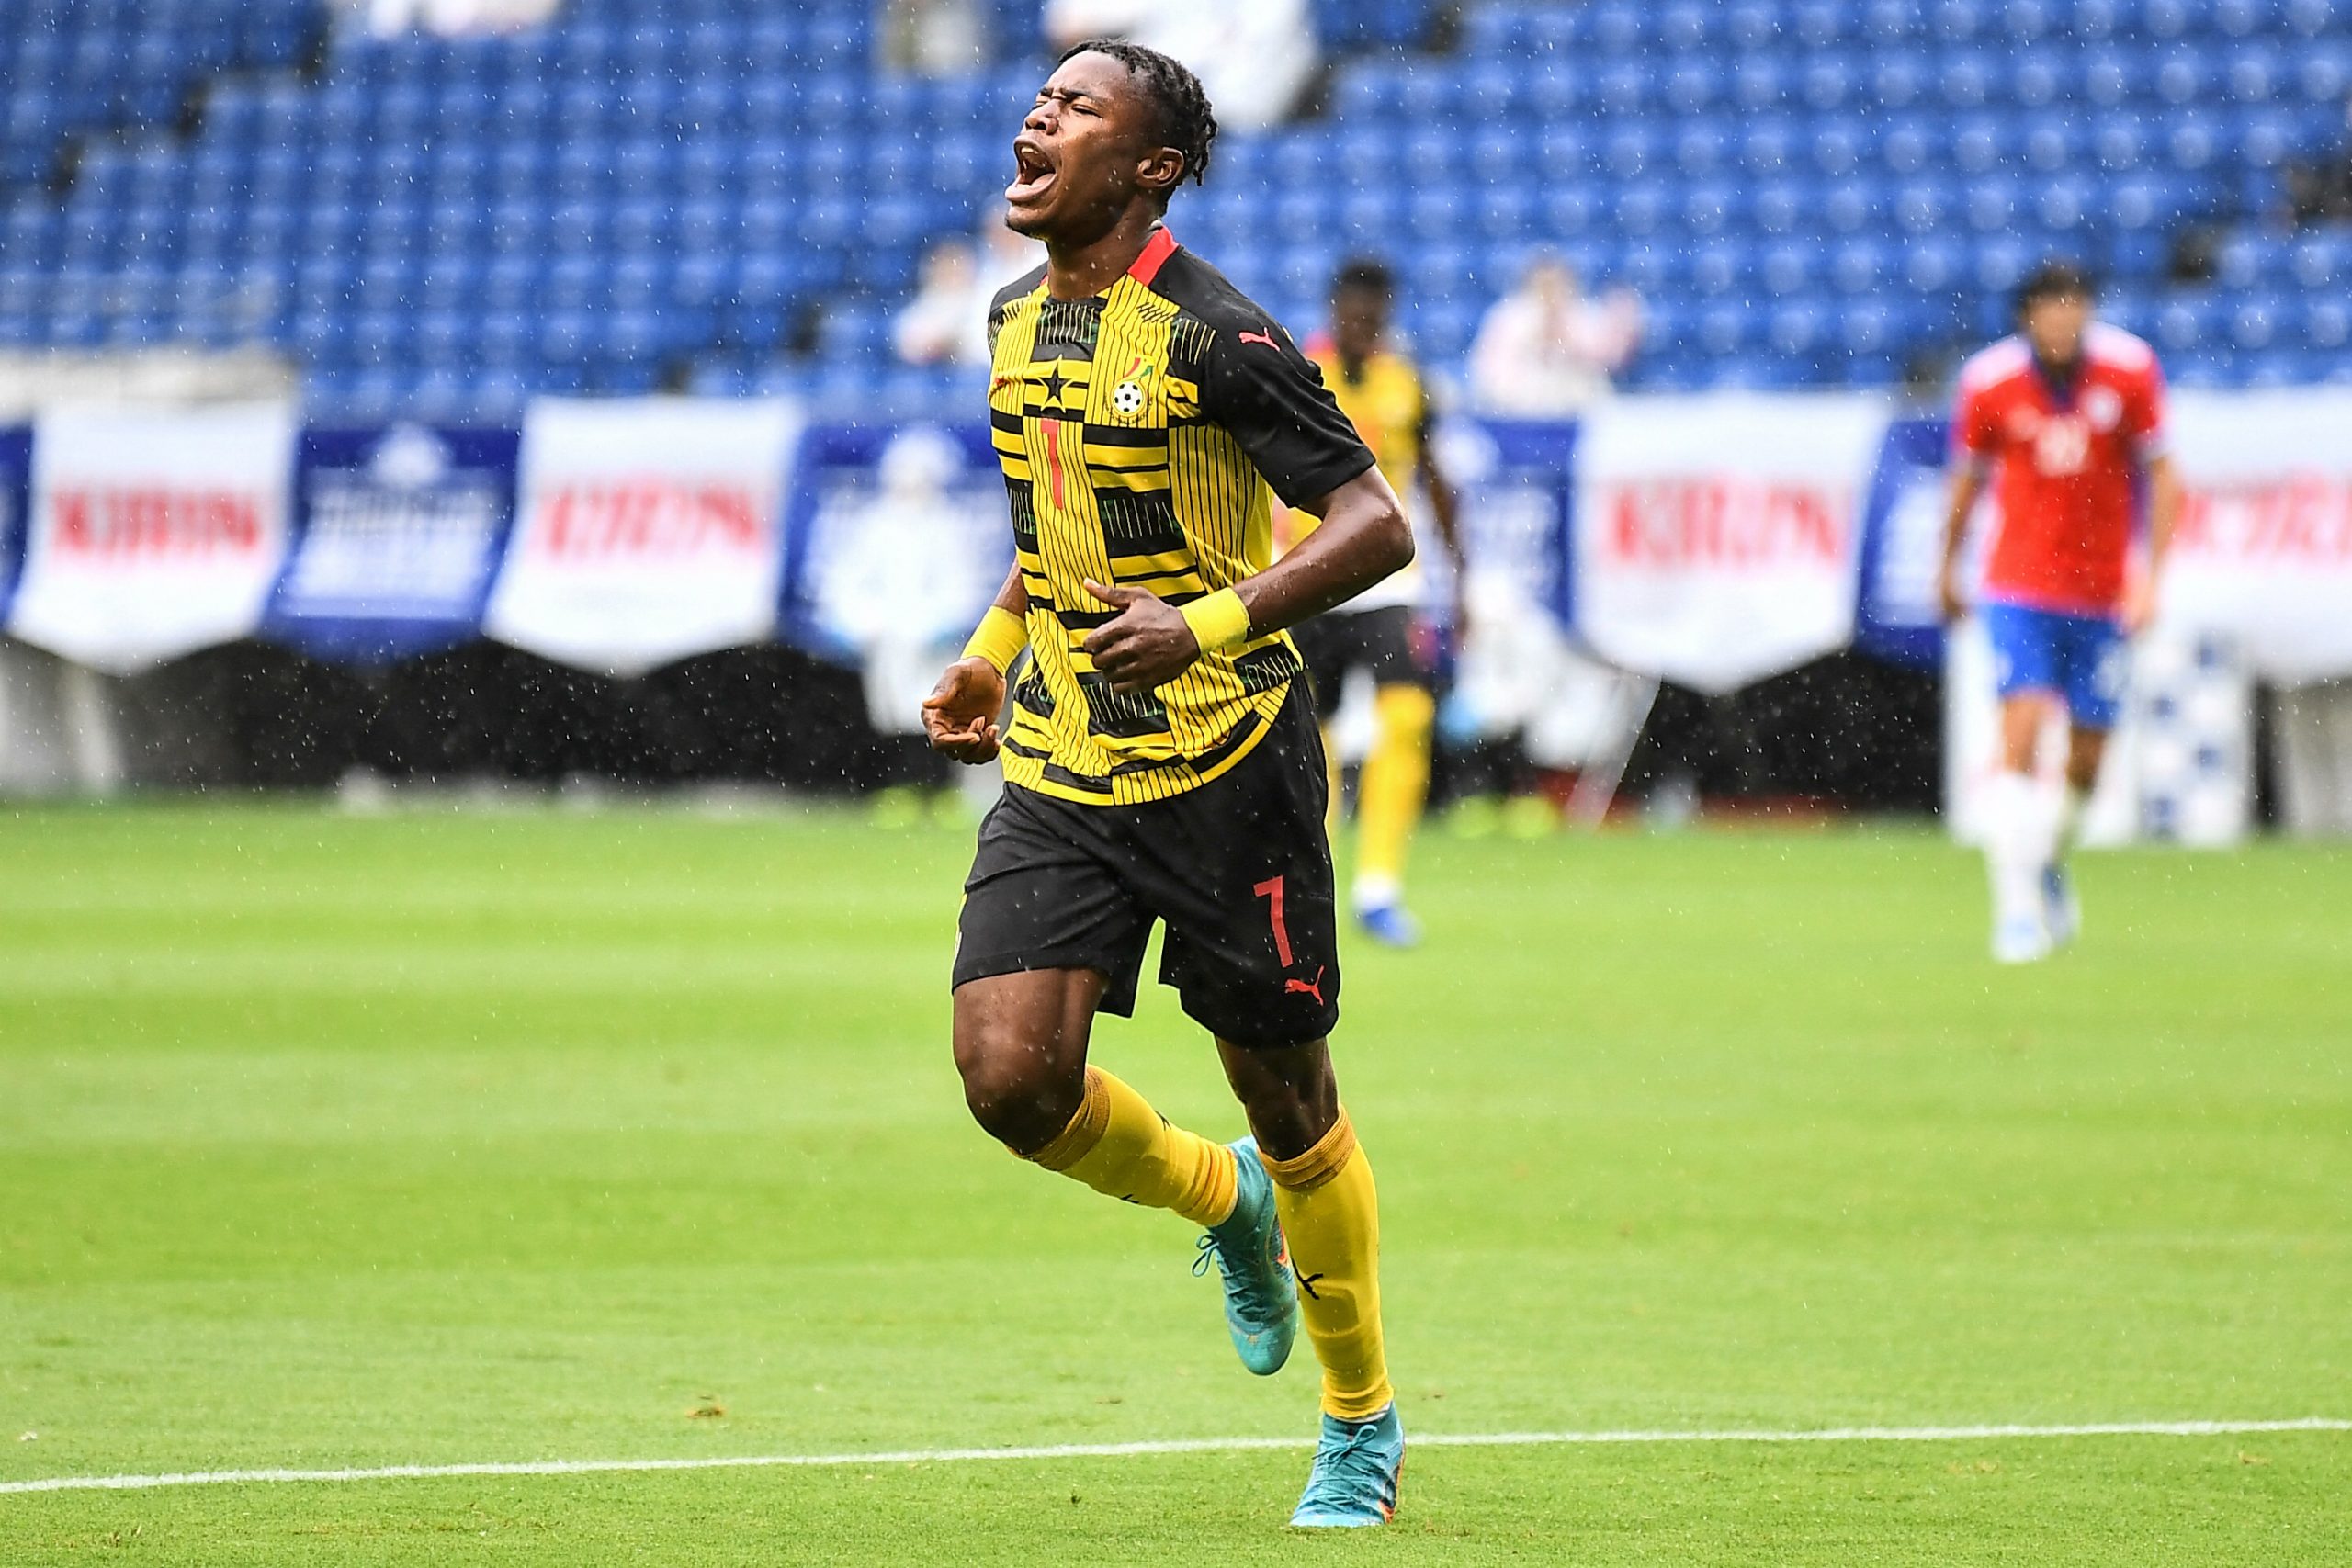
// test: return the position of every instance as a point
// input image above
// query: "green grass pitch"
(437, 1137)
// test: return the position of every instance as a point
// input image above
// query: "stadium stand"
(728, 197)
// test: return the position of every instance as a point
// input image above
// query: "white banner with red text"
(646, 530)
(1710, 541)
(152, 532)
(2263, 551)
(1714, 537)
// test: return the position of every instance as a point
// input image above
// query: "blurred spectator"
(1255, 57)
(1546, 351)
(947, 321)
(388, 18)
(932, 38)
(2320, 191)
(1005, 256)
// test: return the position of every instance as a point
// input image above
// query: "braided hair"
(1186, 121)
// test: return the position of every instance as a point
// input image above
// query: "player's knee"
(1014, 1092)
(1290, 1104)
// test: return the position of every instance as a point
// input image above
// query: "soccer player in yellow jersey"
(1163, 763)
(1381, 391)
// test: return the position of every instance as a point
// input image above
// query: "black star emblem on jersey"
(1054, 383)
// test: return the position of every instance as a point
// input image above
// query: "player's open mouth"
(1033, 172)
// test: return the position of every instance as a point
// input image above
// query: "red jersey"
(2065, 464)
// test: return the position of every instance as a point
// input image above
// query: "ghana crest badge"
(1127, 397)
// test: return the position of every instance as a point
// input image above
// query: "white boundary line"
(1176, 1446)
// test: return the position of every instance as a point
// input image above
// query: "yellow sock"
(1394, 787)
(1119, 1145)
(1330, 1216)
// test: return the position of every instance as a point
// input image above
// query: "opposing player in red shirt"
(2066, 420)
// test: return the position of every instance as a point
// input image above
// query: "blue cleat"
(2061, 913)
(2020, 939)
(1389, 925)
(1358, 1465)
(1260, 1303)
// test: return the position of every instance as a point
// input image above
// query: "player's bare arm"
(961, 714)
(1446, 509)
(1967, 485)
(1364, 537)
(2164, 510)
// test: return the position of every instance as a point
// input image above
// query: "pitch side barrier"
(1710, 541)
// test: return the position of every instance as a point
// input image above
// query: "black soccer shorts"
(1240, 869)
(1378, 640)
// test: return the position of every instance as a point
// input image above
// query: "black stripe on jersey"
(1182, 583)
(1029, 689)
(1022, 496)
(1006, 421)
(1240, 735)
(1086, 620)
(1124, 713)
(1263, 668)
(1030, 692)
(1018, 750)
(1068, 323)
(1151, 437)
(1140, 523)
(1056, 774)
(1237, 738)
(1189, 340)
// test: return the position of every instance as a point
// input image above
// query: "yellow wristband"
(999, 639)
(1219, 621)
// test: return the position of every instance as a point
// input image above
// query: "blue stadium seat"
(2322, 259)
(2326, 322)
(698, 166)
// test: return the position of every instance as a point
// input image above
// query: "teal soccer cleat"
(1261, 1303)
(1358, 1466)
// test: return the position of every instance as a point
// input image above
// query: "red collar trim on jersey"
(1156, 251)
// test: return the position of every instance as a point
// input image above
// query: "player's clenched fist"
(960, 716)
(1148, 644)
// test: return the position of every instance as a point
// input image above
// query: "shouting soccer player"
(1162, 762)
(1381, 391)
(2066, 420)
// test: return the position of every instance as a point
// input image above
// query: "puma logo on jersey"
(1308, 987)
(1266, 338)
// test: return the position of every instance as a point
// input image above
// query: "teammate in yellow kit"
(1381, 392)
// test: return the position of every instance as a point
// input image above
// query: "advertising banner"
(1896, 617)
(16, 502)
(2263, 553)
(1518, 670)
(396, 535)
(155, 532)
(649, 529)
(1714, 536)
(899, 538)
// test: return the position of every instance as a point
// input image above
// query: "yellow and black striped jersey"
(1141, 432)
(1388, 405)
